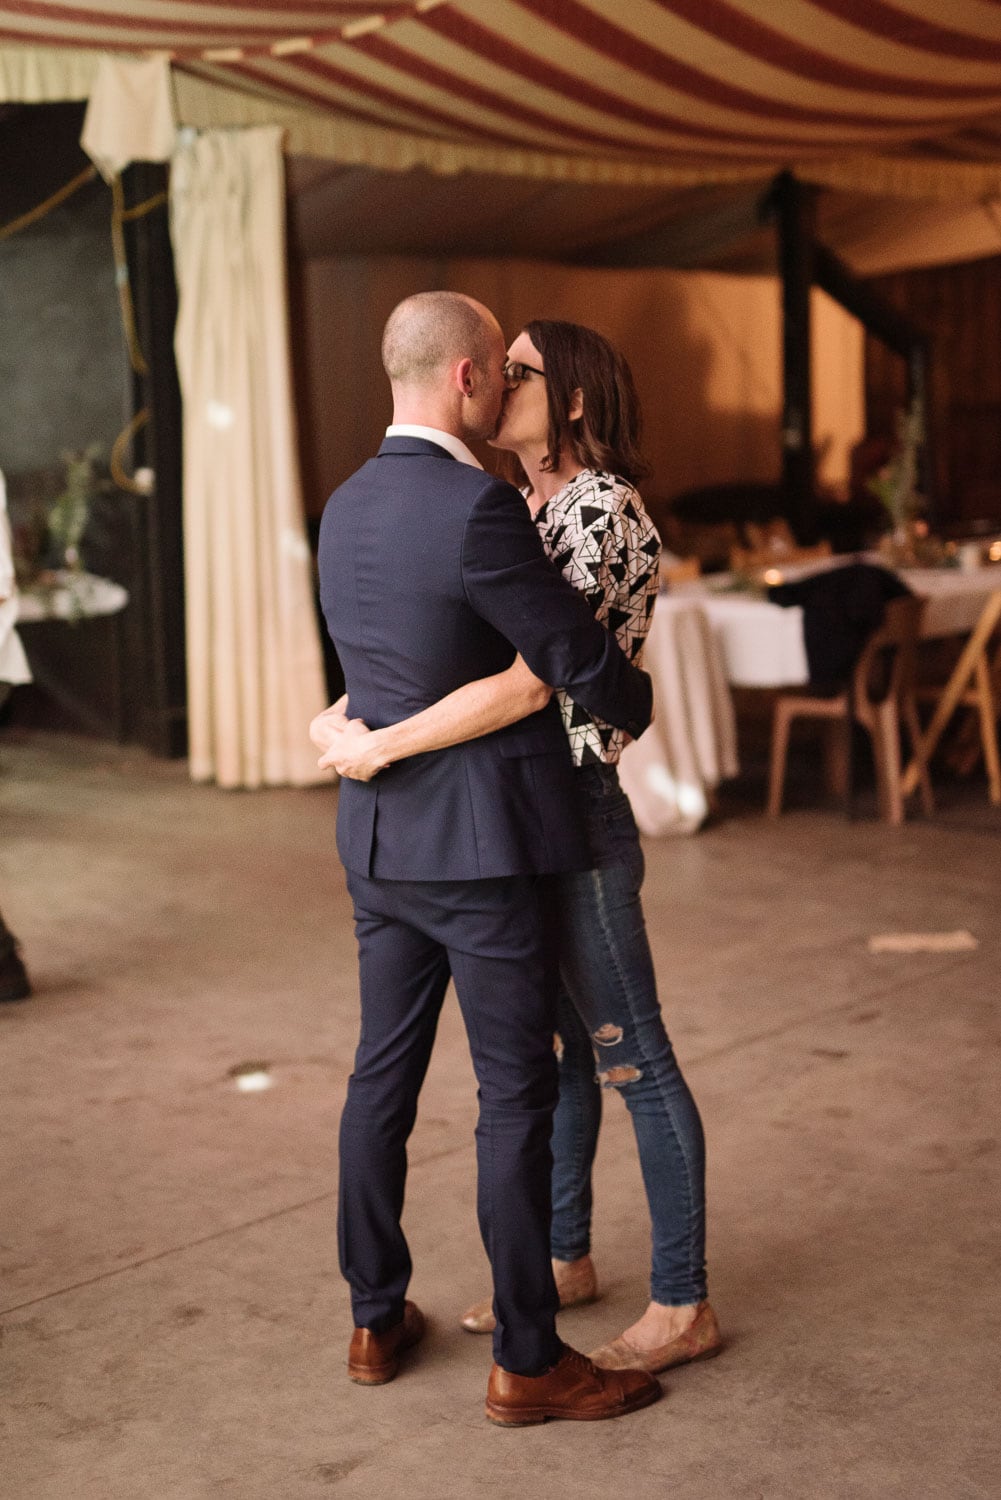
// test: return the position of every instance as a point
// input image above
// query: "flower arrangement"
(67, 520)
(48, 546)
(896, 484)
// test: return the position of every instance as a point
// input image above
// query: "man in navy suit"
(432, 574)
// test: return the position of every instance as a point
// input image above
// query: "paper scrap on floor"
(923, 942)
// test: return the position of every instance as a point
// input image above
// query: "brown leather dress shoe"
(374, 1358)
(574, 1390)
(576, 1283)
(701, 1341)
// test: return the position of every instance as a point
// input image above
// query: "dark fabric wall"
(65, 385)
(960, 306)
(63, 370)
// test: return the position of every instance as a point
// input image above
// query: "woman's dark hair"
(607, 435)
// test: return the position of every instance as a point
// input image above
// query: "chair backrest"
(888, 663)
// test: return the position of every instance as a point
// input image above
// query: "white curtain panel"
(255, 675)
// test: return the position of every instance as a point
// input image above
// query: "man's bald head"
(432, 331)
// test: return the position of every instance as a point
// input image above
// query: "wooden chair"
(881, 692)
(971, 685)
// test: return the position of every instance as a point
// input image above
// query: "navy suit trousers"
(492, 937)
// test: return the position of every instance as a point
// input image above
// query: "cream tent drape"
(254, 667)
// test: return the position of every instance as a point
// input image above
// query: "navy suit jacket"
(432, 574)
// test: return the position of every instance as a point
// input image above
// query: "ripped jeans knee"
(614, 1077)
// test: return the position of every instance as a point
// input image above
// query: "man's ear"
(576, 405)
(463, 376)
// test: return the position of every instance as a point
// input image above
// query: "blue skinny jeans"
(612, 1038)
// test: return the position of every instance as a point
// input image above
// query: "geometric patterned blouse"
(597, 533)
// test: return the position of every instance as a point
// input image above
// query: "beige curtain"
(254, 664)
(130, 114)
(45, 75)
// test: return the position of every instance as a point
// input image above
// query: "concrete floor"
(173, 1322)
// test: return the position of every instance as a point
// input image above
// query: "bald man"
(432, 574)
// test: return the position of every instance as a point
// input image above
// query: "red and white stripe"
(653, 81)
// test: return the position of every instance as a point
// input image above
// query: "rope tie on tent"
(122, 282)
(123, 479)
(120, 215)
(139, 209)
(290, 46)
(59, 196)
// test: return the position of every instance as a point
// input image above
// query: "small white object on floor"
(923, 942)
(252, 1077)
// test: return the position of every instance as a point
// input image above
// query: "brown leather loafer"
(374, 1358)
(701, 1341)
(576, 1282)
(574, 1390)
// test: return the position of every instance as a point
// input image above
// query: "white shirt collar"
(448, 440)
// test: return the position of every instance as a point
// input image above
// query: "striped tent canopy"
(890, 95)
(611, 132)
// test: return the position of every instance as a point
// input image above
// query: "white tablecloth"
(955, 599)
(762, 644)
(692, 744)
(74, 596)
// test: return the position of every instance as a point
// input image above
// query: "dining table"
(719, 632)
(71, 596)
(762, 643)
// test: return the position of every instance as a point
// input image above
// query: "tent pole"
(918, 373)
(793, 204)
(162, 710)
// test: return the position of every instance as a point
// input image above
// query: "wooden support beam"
(161, 712)
(880, 317)
(793, 204)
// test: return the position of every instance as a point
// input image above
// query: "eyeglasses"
(515, 372)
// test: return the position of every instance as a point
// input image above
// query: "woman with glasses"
(571, 424)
